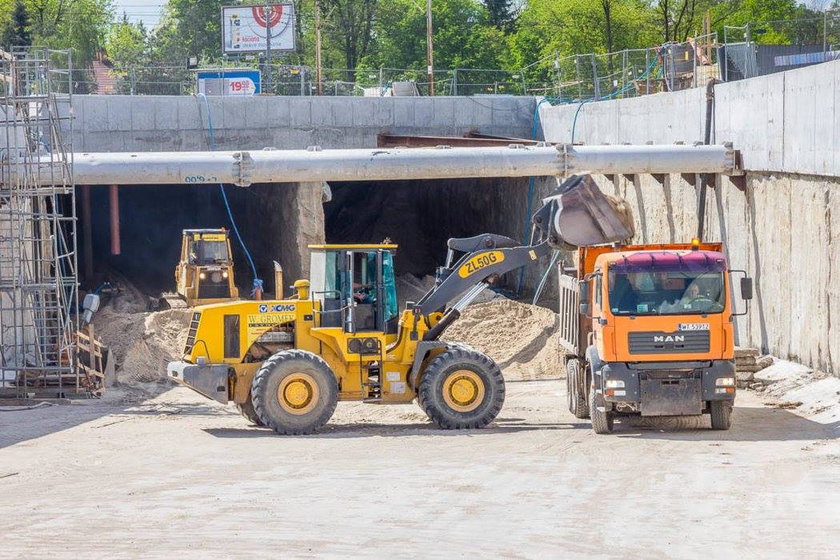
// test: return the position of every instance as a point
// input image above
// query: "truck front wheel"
(721, 413)
(602, 421)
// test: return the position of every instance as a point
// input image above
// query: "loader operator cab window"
(666, 284)
(352, 284)
(203, 252)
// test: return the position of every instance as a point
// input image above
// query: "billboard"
(247, 29)
(228, 82)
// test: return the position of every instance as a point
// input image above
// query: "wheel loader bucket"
(581, 215)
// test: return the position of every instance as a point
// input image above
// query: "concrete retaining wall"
(781, 226)
(787, 122)
(116, 123)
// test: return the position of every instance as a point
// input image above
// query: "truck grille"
(191, 334)
(658, 342)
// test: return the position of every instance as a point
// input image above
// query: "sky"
(147, 11)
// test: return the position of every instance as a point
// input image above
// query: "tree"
(125, 44)
(17, 32)
(463, 36)
(349, 24)
(501, 14)
(78, 25)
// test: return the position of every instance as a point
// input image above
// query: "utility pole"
(318, 47)
(429, 48)
(267, 16)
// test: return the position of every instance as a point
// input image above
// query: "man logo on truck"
(669, 338)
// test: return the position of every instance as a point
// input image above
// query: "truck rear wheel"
(721, 413)
(575, 383)
(462, 388)
(602, 421)
(294, 392)
(246, 409)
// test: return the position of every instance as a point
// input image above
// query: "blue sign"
(229, 82)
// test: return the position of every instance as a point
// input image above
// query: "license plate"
(694, 326)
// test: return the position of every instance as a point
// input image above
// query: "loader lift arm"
(576, 213)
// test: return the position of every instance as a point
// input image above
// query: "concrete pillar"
(286, 218)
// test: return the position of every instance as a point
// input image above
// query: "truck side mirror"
(583, 297)
(746, 288)
(583, 290)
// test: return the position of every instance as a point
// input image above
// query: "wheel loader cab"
(356, 287)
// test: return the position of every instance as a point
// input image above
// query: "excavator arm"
(575, 214)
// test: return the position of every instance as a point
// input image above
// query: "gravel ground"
(180, 476)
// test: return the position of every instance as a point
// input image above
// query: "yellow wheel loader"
(286, 363)
(204, 273)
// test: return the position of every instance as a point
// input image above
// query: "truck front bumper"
(666, 389)
(211, 380)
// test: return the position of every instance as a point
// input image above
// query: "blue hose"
(258, 283)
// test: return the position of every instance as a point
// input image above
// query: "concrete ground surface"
(182, 477)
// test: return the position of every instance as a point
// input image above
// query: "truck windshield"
(667, 284)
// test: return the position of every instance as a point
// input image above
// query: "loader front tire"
(294, 392)
(462, 389)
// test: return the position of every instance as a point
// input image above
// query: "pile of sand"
(522, 338)
(142, 343)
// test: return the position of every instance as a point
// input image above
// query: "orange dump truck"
(648, 331)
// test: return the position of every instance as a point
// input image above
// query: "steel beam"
(286, 166)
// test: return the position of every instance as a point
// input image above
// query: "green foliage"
(125, 44)
(463, 36)
(16, 32)
(78, 25)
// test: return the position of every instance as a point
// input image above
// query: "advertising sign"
(250, 28)
(229, 82)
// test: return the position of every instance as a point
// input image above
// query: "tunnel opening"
(276, 222)
(421, 215)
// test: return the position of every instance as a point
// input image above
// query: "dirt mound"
(522, 338)
(142, 343)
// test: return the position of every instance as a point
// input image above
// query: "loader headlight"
(202, 275)
(615, 384)
(725, 382)
(225, 274)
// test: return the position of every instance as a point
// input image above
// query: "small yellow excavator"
(204, 273)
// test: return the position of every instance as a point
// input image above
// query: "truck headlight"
(615, 384)
(202, 275)
(224, 274)
(725, 382)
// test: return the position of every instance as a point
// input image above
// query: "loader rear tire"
(294, 392)
(462, 389)
(721, 413)
(575, 389)
(246, 409)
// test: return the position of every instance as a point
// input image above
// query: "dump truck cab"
(204, 273)
(655, 333)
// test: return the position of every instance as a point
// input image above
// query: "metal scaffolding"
(38, 279)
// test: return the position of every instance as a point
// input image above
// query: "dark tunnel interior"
(417, 215)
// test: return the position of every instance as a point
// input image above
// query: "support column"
(87, 235)
(114, 206)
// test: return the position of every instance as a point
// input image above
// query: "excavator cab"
(356, 287)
